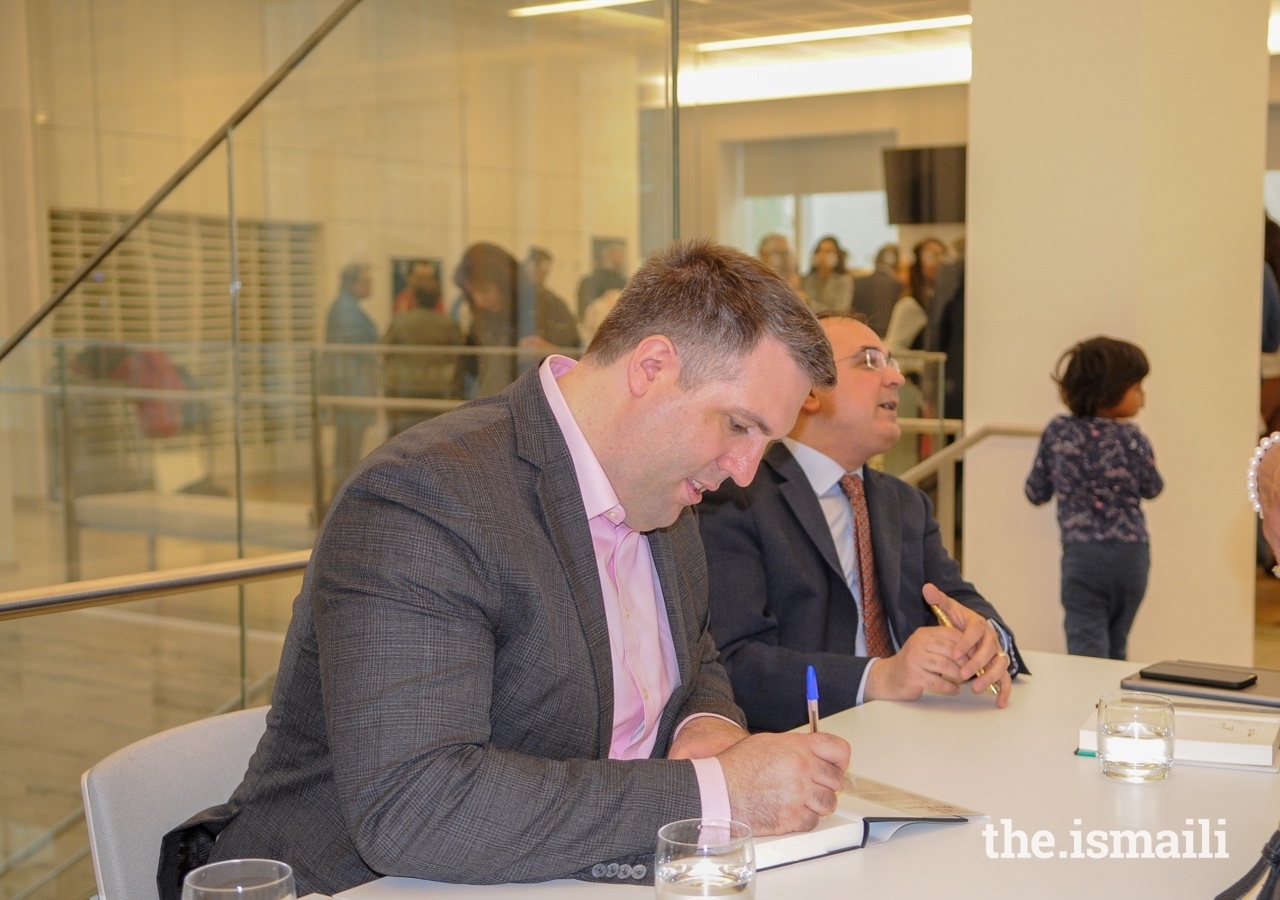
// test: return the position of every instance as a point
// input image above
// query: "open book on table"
(1212, 734)
(868, 812)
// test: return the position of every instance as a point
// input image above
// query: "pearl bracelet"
(1266, 444)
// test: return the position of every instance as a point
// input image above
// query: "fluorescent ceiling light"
(852, 74)
(832, 34)
(570, 6)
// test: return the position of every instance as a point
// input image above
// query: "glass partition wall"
(204, 392)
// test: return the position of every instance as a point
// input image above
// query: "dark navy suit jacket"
(779, 601)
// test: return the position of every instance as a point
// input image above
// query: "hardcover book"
(1211, 734)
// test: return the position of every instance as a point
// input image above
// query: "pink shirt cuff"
(713, 788)
(703, 715)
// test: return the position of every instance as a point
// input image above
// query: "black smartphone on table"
(1205, 674)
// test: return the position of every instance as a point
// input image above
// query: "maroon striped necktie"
(875, 625)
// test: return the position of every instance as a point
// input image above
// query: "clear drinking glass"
(240, 879)
(705, 858)
(1135, 736)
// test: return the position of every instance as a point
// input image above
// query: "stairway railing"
(943, 464)
(222, 133)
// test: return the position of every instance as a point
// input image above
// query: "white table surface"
(1016, 764)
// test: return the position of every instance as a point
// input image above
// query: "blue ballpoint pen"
(811, 695)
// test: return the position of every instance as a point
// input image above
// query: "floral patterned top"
(1100, 469)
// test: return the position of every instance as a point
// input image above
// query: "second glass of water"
(705, 858)
(1135, 736)
(240, 879)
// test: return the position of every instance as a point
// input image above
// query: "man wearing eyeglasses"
(789, 588)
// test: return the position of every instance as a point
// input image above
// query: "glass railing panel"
(467, 174)
(416, 133)
(80, 685)
(31, 522)
(112, 407)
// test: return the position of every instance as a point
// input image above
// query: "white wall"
(711, 170)
(1115, 185)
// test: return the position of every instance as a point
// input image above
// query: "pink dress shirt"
(645, 671)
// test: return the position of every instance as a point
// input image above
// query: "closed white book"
(1212, 735)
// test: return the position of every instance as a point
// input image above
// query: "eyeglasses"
(872, 358)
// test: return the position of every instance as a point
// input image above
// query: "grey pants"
(1102, 584)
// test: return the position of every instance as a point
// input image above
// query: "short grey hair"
(715, 304)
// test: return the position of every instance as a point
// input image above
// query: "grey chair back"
(139, 793)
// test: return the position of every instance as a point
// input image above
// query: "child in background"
(1100, 466)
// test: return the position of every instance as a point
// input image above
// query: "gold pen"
(946, 623)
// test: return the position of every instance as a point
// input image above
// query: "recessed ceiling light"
(836, 33)
(813, 77)
(570, 6)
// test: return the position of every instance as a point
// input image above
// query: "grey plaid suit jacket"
(444, 706)
(779, 601)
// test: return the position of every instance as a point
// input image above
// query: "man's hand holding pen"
(977, 651)
(939, 659)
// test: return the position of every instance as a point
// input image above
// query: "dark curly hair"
(1094, 375)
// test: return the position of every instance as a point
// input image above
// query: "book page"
(898, 801)
(863, 807)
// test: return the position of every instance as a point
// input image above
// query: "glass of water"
(705, 858)
(1135, 736)
(240, 879)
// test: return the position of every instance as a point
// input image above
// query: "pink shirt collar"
(598, 495)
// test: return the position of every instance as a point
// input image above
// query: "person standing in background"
(596, 312)
(415, 374)
(828, 286)
(911, 313)
(945, 334)
(537, 269)
(606, 276)
(421, 271)
(507, 310)
(874, 295)
(776, 253)
(1100, 467)
(350, 373)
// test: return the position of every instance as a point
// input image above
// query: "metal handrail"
(930, 426)
(162, 193)
(139, 586)
(943, 464)
(952, 452)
